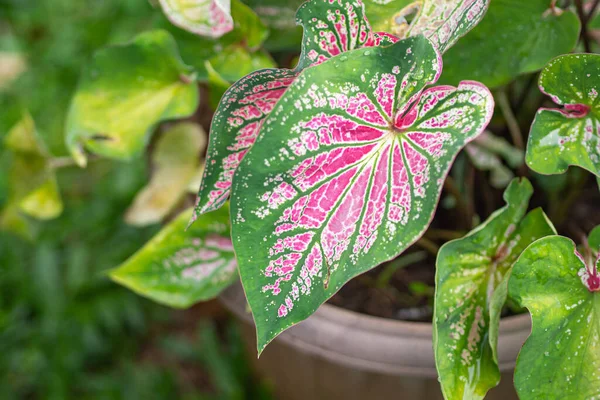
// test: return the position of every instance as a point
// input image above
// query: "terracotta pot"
(339, 354)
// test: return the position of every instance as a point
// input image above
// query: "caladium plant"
(321, 172)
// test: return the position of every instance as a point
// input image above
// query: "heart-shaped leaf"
(180, 268)
(445, 21)
(331, 28)
(467, 303)
(569, 136)
(124, 92)
(561, 357)
(211, 18)
(514, 38)
(346, 174)
(175, 160)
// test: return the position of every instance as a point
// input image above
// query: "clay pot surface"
(340, 354)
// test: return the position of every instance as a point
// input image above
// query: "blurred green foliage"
(67, 331)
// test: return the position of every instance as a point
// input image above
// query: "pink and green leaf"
(210, 18)
(346, 174)
(471, 292)
(331, 27)
(569, 136)
(179, 268)
(561, 290)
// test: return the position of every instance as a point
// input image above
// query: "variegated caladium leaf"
(533, 32)
(126, 90)
(180, 267)
(346, 174)
(210, 18)
(445, 21)
(467, 304)
(561, 290)
(331, 27)
(571, 135)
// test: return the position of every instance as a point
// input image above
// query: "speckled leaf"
(571, 135)
(331, 28)
(561, 357)
(124, 92)
(467, 315)
(180, 267)
(175, 161)
(211, 18)
(346, 174)
(446, 21)
(514, 38)
(32, 181)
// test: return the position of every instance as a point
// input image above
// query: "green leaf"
(32, 181)
(445, 21)
(249, 101)
(236, 61)
(467, 302)
(346, 174)
(175, 161)
(571, 135)
(124, 92)
(561, 357)
(514, 38)
(211, 18)
(180, 267)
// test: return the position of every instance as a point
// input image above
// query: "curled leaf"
(561, 357)
(571, 135)
(180, 267)
(346, 174)
(211, 18)
(124, 92)
(175, 162)
(471, 291)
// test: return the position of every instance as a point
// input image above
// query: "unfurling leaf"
(211, 18)
(175, 160)
(124, 92)
(561, 290)
(180, 268)
(571, 135)
(445, 21)
(32, 181)
(346, 174)
(514, 38)
(331, 28)
(471, 291)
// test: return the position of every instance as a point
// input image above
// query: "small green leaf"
(561, 357)
(514, 38)
(467, 302)
(180, 267)
(346, 174)
(236, 61)
(124, 92)
(175, 161)
(32, 181)
(571, 135)
(211, 18)
(382, 14)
